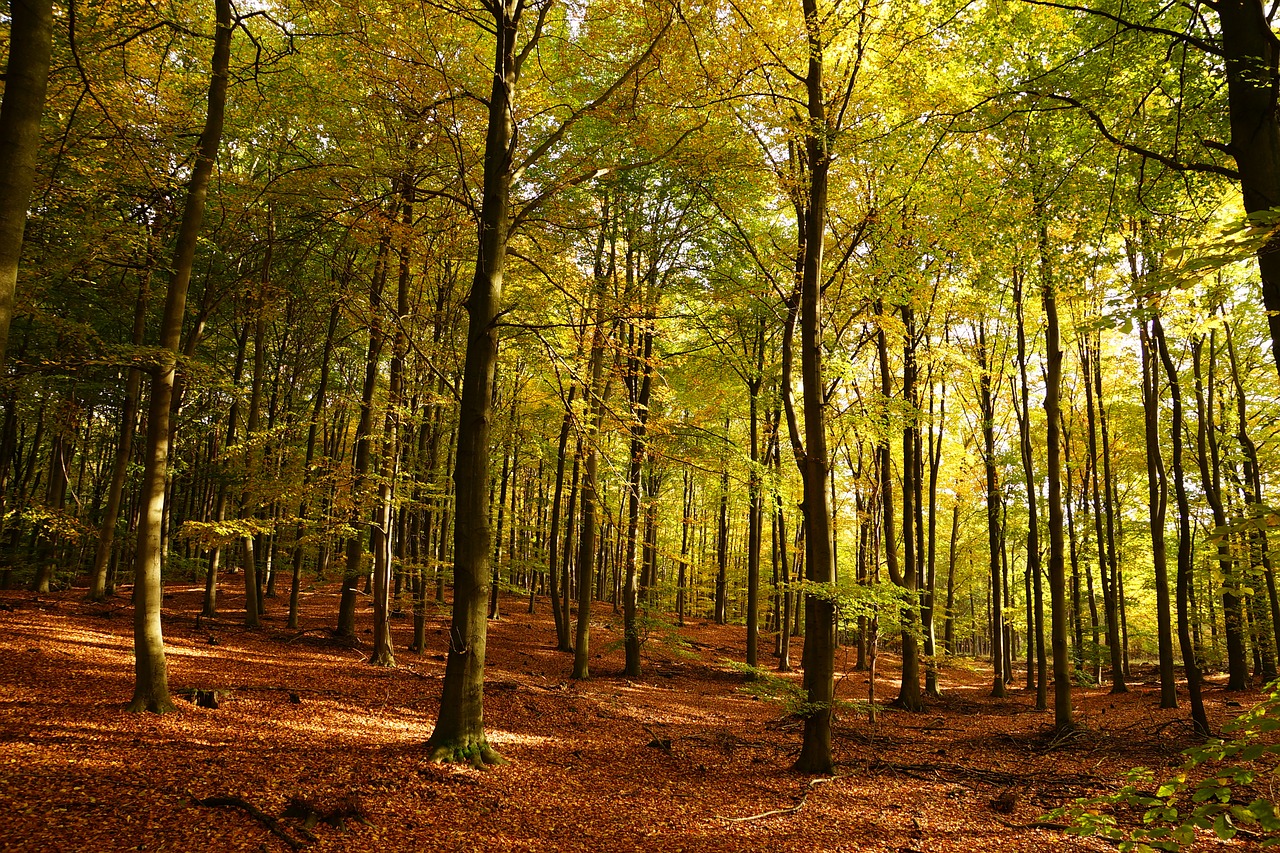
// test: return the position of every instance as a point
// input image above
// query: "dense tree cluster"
(870, 321)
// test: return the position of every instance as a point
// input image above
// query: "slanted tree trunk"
(26, 80)
(1254, 495)
(151, 683)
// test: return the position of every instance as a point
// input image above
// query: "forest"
(818, 424)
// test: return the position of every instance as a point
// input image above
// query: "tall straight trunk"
(495, 578)
(1157, 503)
(639, 376)
(55, 496)
(248, 546)
(1036, 675)
(909, 690)
(1102, 515)
(567, 574)
(151, 684)
(1062, 711)
(220, 501)
(686, 523)
(362, 457)
(928, 609)
(124, 450)
(986, 402)
(459, 732)
(820, 615)
(553, 535)
(317, 411)
(755, 500)
(949, 621)
(1207, 455)
(26, 81)
(722, 538)
(1190, 663)
(1254, 496)
(383, 653)
(589, 492)
(1077, 615)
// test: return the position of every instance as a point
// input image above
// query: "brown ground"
(590, 768)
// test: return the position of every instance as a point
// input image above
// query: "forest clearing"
(682, 759)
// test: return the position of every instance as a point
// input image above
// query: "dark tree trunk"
(1207, 455)
(986, 402)
(26, 80)
(1183, 594)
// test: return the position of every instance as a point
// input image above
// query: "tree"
(151, 686)
(26, 80)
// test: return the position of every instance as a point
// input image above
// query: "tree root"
(479, 754)
(258, 814)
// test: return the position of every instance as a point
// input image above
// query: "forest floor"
(682, 759)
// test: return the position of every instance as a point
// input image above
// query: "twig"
(262, 817)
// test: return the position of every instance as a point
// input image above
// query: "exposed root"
(479, 754)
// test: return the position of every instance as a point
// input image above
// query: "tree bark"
(26, 81)
(151, 685)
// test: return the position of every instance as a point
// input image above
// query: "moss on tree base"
(478, 753)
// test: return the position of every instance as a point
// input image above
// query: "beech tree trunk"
(124, 450)
(1190, 663)
(26, 80)
(459, 732)
(151, 684)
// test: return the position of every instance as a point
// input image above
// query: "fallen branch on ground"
(804, 796)
(258, 814)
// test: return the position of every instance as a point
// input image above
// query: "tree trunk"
(1190, 663)
(986, 402)
(1062, 711)
(459, 732)
(1207, 455)
(1035, 600)
(151, 685)
(26, 80)
(124, 451)
(820, 613)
